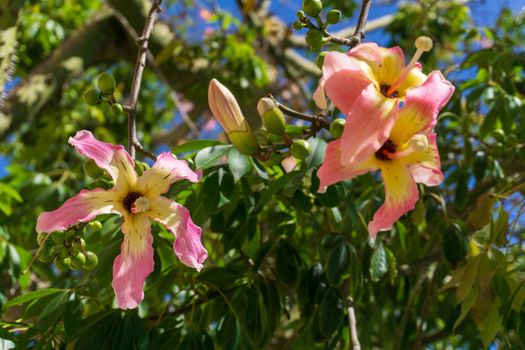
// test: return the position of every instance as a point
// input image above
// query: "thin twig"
(137, 76)
(317, 119)
(359, 33)
(356, 345)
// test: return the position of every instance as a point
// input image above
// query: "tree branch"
(137, 77)
(356, 345)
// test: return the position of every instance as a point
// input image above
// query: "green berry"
(95, 226)
(337, 127)
(106, 83)
(301, 149)
(333, 16)
(314, 39)
(91, 169)
(59, 236)
(91, 261)
(301, 15)
(116, 108)
(140, 167)
(78, 260)
(62, 264)
(312, 7)
(92, 97)
(298, 25)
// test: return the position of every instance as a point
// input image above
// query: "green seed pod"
(140, 167)
(314, 39)
(116, 108)
(272, 117)
(320, 59)
(91, 261)
(95, 226)
(337, 127)
(59, 236)
(91, 169)
(92, 97)
(312, 7)
(301, 149)
(300, 15)
(106, 83)
(333, 16)
(298, 25)
(78, 260)
(62, 264)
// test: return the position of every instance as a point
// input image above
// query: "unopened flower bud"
(312, 7)
(301, 149)
(333, 16)
(418, 142)
(78, 260)
(95, 225)
(424, 43)
(227, 112)
(91, 261)
(106, 83)
(300, 15)
(272, 117)
(337, 127)
(92, 97)
(116, 108)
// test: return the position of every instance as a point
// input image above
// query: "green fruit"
(92, 97)
(301, 149)
(300, 15)
(78, 260)
(320, 59)
(59, 236)
(312, 7)
(116, 108)
(140, 167)
(337, 127)
(333, 16)
(91, 261)
(95, 225)
(106, 83)
(298, 25)
(314, 39)
(62, 264)
(272, 117)
(91, 169)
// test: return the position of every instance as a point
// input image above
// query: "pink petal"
(400, 196)
(421, 108)
(385, 63)
(289, 164)
(426, 166)
(112, 158)
(367, 126)
(332, 170)
(135, 261)
(344, 79)
(177, 220)
(166, 170)
(83, 207)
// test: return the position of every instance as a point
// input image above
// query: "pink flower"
(138, 200)
(367, 85)
(409, 155)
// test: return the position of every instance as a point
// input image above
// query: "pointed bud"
(272, 117)
(227, 112)
(337, 127)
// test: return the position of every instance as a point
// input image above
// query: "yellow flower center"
(141, 205)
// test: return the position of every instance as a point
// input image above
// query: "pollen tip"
(424, 43)
(419, 142)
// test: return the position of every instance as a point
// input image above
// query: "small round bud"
(91, 261)
(106, 83)
(91, 169)
(62, 264)
(272, 117)
(301, 149)
(333, 16)
(78, 260)
(424, 43)
(337, 127)
(314, 39)
(320, 59)
(59, 236)
(418, 142)
(92, 97)
(298, 25)
(301, 15)
(116, 108)
(312, 7)
(95, 225)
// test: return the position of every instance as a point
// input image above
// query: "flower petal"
(333, 170)
(112, 158)
(166, 170)
(385, 63)
(421, 108)
(344, 79)
(83, 207)
(177, 220)
(400, 196)
(367, 126)
(425, 166)
(135, 261)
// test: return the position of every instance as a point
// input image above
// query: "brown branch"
(137, 76)
(352, 323)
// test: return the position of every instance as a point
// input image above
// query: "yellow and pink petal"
(176, 218)
(135, 262)
(83, 207)
(425, 166)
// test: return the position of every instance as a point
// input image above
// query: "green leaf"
(318, 152)
(287, 262)
(194, 145)
(331, 312)
(210, 156)
(491, 324)
(11, 192)
(338, 263)
(239, 164)
(53, 310)
(378, 263)
(467, 304)
(24, 298)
